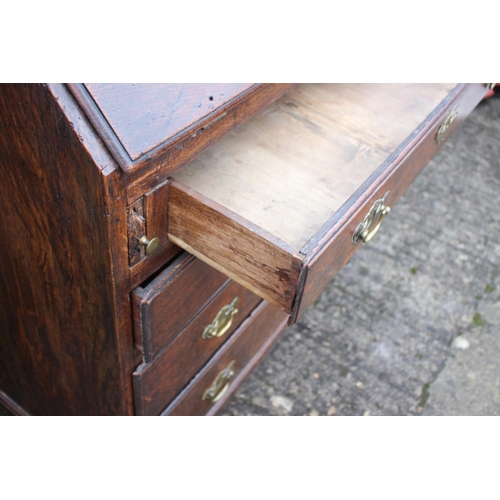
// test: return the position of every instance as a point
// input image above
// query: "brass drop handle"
(366, 235)
(367, 229)
(220, 384)
(441, 133)
(222, 322)
(151, 245)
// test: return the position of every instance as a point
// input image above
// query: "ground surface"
(411, 326)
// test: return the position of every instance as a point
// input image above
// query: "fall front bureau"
(94, 321)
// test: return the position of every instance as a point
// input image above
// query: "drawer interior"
(259, 204)
(294, 165)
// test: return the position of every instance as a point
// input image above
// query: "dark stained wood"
(68, 265)
(136, 229)
(155, 168)
(437, 115)
(139, 122)
(62, 347)
(309, 153)
(260, 214)
(156, 210)
(142, 116)
(114, 212)
(165, 306)
(156, 384)
(146, 267)
(5, 411)
(8, 407)
(257, 332)
(241, 250)
(152, 207)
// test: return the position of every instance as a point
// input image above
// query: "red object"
(490, 92)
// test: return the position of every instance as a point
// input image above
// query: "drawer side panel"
(244, 252)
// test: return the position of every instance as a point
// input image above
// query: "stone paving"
(411, 325)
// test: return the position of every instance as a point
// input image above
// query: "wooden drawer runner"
(275, 204)
(157, 383)
(236, 358)
(162, 308)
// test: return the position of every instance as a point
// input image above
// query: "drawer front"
(211, 388)
(157, 383)
(274, 205)
(148, 243)
(162, 308)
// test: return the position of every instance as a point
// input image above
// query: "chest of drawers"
(157, 239)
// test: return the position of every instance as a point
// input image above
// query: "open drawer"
(283, 202)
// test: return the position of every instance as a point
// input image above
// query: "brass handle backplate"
(219, 385)
(367, 229)
(222, 322)
(151, 245)
(445, 126)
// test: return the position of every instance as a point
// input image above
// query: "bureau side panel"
(59, 350)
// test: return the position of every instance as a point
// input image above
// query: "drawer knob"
(222, 322)
(219, 385)
(151, 245)
(367, 229)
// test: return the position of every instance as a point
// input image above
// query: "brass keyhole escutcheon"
(222, 322)
(151, 245)
(219, 385)
(367, 229)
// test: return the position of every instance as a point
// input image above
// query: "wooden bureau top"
(144, 115)
(139, 122)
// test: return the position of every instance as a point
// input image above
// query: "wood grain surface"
(147, 216)
(143, 115)
(229, 243)
(291, 167)
(8, 407)
(258, 331)
(65, 337)
(167, 304)
(151, 129)
(264, 201)
(335, 249)
(136, 229)
(273, 206)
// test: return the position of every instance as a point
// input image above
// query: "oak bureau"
(157, 239)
